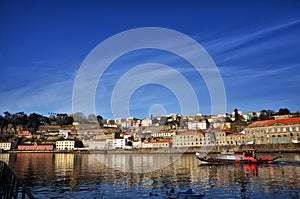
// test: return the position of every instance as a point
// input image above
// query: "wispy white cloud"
(256, 72)
(37, 87)
(52, 97)
(252, 39)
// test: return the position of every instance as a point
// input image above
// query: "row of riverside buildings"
(59, 145)
(275, 131)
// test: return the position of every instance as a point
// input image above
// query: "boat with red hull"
(247, 157)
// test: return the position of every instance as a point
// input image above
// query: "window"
(273, 139)
(279, 139)
(285, 139)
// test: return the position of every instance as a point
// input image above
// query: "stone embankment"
(267, 148)
(260, 148)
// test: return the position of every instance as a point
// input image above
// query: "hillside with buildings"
(264, 130)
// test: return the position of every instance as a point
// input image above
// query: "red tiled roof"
(234, 134)
(163, 141)
(271, 122)
(159, 141)
(191, 133)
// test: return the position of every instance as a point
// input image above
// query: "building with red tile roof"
(284, 121)
(36, 147)
(280, 131)
(157, 144)
(189, 139)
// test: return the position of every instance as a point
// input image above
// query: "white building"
(122, 123)
(128, 122)
(146, 145)
(164, 134)
(116, 143)
(65, 145)
(5, 145)
(136, 144)
(98, 144)
(146, 122)
(64, 133)
(157, 144)
(202, 125)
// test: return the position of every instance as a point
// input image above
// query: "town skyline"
(270, 112)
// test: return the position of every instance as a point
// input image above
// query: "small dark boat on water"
(188, 194)
(248, 157)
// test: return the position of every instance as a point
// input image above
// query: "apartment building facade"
(280, 131)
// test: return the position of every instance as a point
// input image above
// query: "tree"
(8, 118)
(284, 111)
(254, 118)
(68, 120)
(100, 120)
(264, 115)
(236, 115)
(271, 112)
(34, 121)
(3, 123)
(19, 118)
(297, 114)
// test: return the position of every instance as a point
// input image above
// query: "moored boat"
(188, 194)
(248, 156)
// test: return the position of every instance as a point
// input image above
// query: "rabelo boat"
(248, 157)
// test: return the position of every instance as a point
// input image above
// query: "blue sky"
(254, 44)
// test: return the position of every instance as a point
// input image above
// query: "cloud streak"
(253, 39)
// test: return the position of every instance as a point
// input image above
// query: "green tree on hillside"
(284, 111)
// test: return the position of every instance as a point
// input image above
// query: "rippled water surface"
(59, 175)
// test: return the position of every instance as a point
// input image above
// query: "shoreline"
(268, 148)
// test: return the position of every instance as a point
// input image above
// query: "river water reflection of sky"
(61, 175)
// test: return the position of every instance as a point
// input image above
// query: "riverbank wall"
(260, 148)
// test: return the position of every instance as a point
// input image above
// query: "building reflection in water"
(61, 173)
(136, 163)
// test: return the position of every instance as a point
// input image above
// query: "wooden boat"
(248, 156)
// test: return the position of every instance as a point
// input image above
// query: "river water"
(65, 175)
